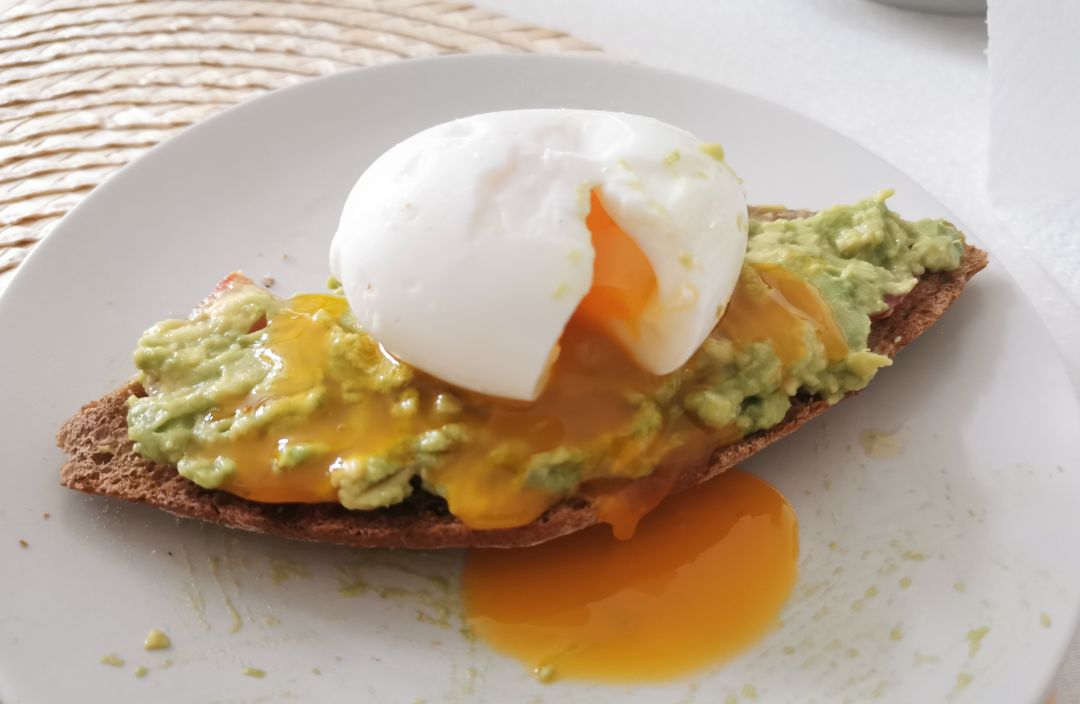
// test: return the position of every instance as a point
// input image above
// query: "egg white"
(464, 251)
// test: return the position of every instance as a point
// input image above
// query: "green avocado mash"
(856, 255)
(288, 400)
(193, 366)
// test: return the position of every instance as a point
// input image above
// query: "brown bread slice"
(101, 459)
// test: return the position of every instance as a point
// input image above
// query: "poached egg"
(466, 249)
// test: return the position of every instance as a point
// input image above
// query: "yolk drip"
(808, 303)
(299, 352)
(584, 399)
(704, 577)
(623, 279)
(622, 503)
(770, 305)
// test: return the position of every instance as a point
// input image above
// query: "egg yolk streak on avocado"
(597, 425)
(796, 298)
(487, 479)
(492, 479)
(290, 401)
(704, 576)
(297, 346)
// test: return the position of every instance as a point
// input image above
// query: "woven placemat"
(86, 86)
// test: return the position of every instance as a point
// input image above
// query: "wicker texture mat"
(86, 86)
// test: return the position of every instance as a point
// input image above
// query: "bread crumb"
(46, 515)
(284, 257)
(269, 281)
(23, 544)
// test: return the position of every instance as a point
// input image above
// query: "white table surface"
(912, 87)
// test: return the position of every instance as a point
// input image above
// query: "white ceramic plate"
(973, 525)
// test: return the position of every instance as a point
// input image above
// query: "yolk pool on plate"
(704, 576)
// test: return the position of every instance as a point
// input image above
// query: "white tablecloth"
(912, 87)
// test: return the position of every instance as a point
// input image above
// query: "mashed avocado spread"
(287, 400)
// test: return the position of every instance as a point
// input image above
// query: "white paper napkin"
(1035, 145)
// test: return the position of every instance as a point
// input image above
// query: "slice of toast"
(101, 458)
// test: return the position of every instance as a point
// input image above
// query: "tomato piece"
(892, 302)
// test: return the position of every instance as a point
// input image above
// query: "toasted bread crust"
(101, 459)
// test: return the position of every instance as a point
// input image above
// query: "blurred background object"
(1034, 146)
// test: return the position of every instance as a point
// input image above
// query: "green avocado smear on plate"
(283, 400)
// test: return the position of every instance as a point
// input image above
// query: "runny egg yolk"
(704, 576)
(623, 279)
